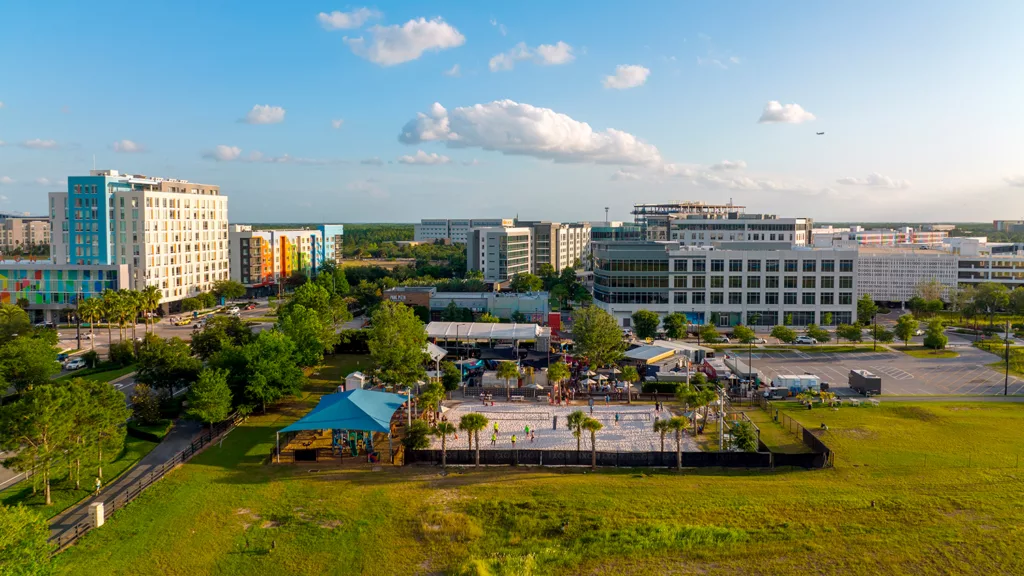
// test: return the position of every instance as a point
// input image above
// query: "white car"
(805, 340)
(234, 310)
(759, 341)
(74, 364)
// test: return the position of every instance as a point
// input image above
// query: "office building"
(1008, 225)
(857, 235)
(455, 231)
(499, 253)
(47, 288)
(172, 234)
(559, 244)
(263, 259)
(23, 233)
(893, 275)
(701, 224)
(754, 283)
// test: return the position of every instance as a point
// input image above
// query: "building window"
(828, 298)
(789, 297)
(680, 298)
(753, 297)
(753, 281)
(717, 281)
(698, 282)
(846, 281)
(789, 282)
(679, 282)
(828, 281)
(771, 298)
(735, 298)
(753, 265)
(791, 266)
(842, 317)
(803, 317)
(845, 298)
(735, 281)
(717, 298)
(735, 265)
(679, 265)
(771, 265)
(807, 298)
(718, 265)
(846, 265)
(700, 266)
(828, 265)
(809, 283)
(771, 281)
(698, 298)
(810, 266)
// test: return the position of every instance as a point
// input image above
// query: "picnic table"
(515, 398)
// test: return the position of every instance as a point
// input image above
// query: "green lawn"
(99, 374)
(159, 429)
(774, 436)
(930, 488)
(62, 490)
(922, 352)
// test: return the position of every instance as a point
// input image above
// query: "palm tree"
(108, 304)
(150, 301)
(678, 424)
(133, 302)
(443, 429)
(472, 424)
(558, 372)
(575, 423)
(508, 370)
(630, 375)
(90, 310)
(661, 427)
(592, 425)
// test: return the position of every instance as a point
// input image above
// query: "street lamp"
(1006, 380)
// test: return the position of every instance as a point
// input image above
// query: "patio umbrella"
(601, 377)
(588, 381)
(589, 373)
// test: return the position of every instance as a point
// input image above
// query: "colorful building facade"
(49, 288)
(263, 259)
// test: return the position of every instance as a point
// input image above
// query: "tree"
(882, 334)
(145, 406)
(960, 299)
(191, 304)
(708, 332)
(826, 319)
(416, 436)
(525, 282)
(662, 428)
(107, 415)
(444, 429)
(784, 334)
(866, 309)
(487, 318)
(507, 370)
(548, 275)
(558, 372)
(149, 299)
(698, 380)
(37, 429)
(744, 334)
(990, 297)
(675, 325)
(818, 333)
(917, 305)
(220, 331)
(472, 424)
(743, 437)
(24, 550)
(787, 320)
(930, 289)
(849, 332)
(167, 364)
(518, 317)
(310, 333)
(934, 337)
(121, 353)
(262, 371)
(630, 375)
(13, 321)
(209, 399)
(1017, 300)
(575, 423)
(906, 326)
(90, 311)
(592, 425)
(597, 336)
(451, 376)
(474, 275)
(678, 424)
(396, 342)
(451, 313)
(559, 297)
(228, 289)
(28, 361)
(645, 323)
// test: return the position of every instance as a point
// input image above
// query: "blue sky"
(919, 102)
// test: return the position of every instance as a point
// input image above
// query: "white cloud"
(1, 104)
(875, 180)
(6, 180)
(545, 55)
(265, 114)
(2, 143)
(224, 153)
(422, 157)
(774, 112)
(454, 71)
(500, 26)
(627, 76)
(734, 60)
(344, 20)
(390, 45)
(473, 162)
(1016, 181)
(621, 175)
(42, 181)
(38, 144)
(370, 187)
(372, 162)
(336, 124)
(521, 129)
(728, 165)
(128, 147)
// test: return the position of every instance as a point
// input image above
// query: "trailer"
(865, 382)
(797, 383)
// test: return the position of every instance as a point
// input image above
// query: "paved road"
(176, 441)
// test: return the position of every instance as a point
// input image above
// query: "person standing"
(99, 484)
(513, 441)
(494, 438)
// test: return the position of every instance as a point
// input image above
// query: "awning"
(435, 351)
(352, 410)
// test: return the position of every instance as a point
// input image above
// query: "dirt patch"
(241, 511)
(913, 413)
(270, 524)
(961, 408)
(331, 524)
(855, 433)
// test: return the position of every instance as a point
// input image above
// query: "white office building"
(701, 224)
(455, 231)
(894, 274)
(499, 253)
(558, 244)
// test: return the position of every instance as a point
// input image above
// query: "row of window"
(733, 298)
(736, 265)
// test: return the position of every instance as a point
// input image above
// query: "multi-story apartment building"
(1008, 225)
(558, 244)
(261, 259)
(455, 231)
(499, 253)
(173, 234)
(856, 235)
(23, 232)
(894, 274)
(754, 283)
(48, 288)
(700, 224)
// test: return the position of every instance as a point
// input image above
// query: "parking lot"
(901, 375)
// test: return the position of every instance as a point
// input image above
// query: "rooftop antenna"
(606, 220)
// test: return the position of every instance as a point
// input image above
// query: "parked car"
(918, 332)
(183, 321)
(759, 341)
(721, 340)
(234, 310)
(62, 357)
(250, 306)
(805, 340)
(74, 364)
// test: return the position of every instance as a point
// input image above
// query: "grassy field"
(930, 488)
(922, 352)
(62, 490)
(99, 374)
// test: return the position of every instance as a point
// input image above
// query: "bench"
(515, 398)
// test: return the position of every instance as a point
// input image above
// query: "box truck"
(865, 382)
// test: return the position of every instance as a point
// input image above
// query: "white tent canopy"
(486, 331)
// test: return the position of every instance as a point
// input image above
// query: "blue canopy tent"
(362, 410)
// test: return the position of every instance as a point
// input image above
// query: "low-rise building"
(46, 288)
(23, 233)
(411, 295)
(533, 306)
(455, 230)
(262, 259)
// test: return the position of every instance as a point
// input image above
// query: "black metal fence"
(68, 537)
(583, 458)
(820, 449)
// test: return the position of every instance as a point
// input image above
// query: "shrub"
(417, 436)
(92, 358)
(660, 387)
(191, 304)
(122, 353)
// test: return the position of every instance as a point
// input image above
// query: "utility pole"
(874, 332)
(1006, 380)
(721, 419)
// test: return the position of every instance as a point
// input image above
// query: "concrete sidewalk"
(178, 439)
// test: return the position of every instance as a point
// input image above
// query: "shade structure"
(588, 381)
(534, 387)
(601, 377)
(366, 410)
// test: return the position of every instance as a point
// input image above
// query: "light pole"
(1006, 380)
(874, 332)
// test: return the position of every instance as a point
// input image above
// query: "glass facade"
(54, 286)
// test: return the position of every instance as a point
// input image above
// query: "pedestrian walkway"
(179, 438)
